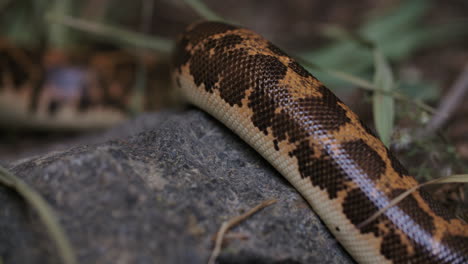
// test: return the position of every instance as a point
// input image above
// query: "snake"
(317, 143)
(55, 90)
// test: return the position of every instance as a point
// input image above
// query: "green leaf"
(384, 26)
(398, 33)
(383, 104)
(423, 90)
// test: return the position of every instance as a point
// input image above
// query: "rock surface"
(159, 196)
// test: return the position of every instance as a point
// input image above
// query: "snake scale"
(317, 143)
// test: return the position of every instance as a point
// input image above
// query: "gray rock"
(159, 196)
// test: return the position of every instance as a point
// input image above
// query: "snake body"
(317, 143)
(53, 90)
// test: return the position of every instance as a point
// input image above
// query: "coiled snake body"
(317, 143)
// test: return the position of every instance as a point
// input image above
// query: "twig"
(45, 212)
(225, 226)
(461, 178)
(450, 102)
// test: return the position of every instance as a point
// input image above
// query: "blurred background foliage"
(400, 29)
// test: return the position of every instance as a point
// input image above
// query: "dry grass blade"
(231, 223)
(45, 213)
(459, 178)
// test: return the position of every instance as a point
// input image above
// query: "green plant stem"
(45, 212)
(203, 10)
(58, 34)
(366, 85)
(117, 34)
(383, 105)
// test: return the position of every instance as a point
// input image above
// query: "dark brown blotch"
(275, 49)
(358, 208)
(239, 72)
(263, 107)
(275, 144)
(207, 69)
(323, 172)
(260, 72)
(299, 118)
(396, 165)
(181, 55)
(224, 43)
(293, 65)
(326, 109)
(367, 129)
(204, 69)
(320, 114)
(436, 206)
(265, 72)
(236, 80)
(366, 158)
(458, 245)
(411, 207)
(284, 126)
(394, 249)
(201, 31)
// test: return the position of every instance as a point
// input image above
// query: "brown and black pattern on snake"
(332, 147)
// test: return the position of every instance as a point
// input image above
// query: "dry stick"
(232, 222)
(462, 178)
(450, 102)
